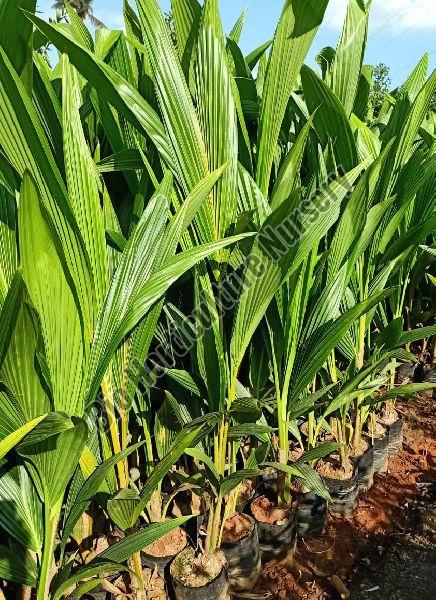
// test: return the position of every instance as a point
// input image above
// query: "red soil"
(170, 544)
(236, 528)
(353, 543)
(265, 511)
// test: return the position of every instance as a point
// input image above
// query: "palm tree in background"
(83, 8)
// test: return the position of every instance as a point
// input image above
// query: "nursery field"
(217, 309)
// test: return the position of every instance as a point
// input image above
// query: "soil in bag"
(342, 485)
(199, 577)
(380, 449)
(363, 458)
(240, 545)
(395, 437)
(394, 424)
(159, 554)
(277, 529)
(311, 514)
(246, 493)
(268, 485)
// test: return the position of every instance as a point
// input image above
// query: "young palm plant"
(198, 250)
(81, 300)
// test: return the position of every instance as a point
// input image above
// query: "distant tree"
(83, 8)
(44, 52)
(381, 82)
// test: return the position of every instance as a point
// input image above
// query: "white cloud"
(394, 16)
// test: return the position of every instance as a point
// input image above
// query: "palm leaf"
(17, 568)
(217, 114)
(9, 312)
(53, 460)
(91, 487)
(135, 542)
(331, 121)
(114, 88)
(236, 31)
(50, 292)
(186, 14)
(283, 242)
(295, 32)
(20, 508)
(11, 440)
(82, 182)
(26, 148)
(344, 73)
(16, 37)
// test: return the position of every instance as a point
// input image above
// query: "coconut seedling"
(129, 507)
(33, 493)
(43, 454)
(362, 219)
(210, 148)
(123, 172)
(220, 353)
(373, 219)
(81, 300)
(303, 323)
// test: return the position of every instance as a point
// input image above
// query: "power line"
(388, 19)
(411, 64)
(394, 39)
(384, 24)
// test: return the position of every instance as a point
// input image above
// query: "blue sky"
(400, 30)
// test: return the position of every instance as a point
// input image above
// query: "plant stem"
(311, 429)
(212, 541)
(360, 362)
(137, 568)
(210, 519)
(148, 447)
(283, 451)
(106, 387)
(338, 421)
(51, 519)
(282, 418)
(342, 451)
(215, 527)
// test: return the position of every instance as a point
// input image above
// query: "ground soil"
(154, 586)
(409, 572)
(388, 545)
(236, 528)
(168, 545)
(265, 511)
